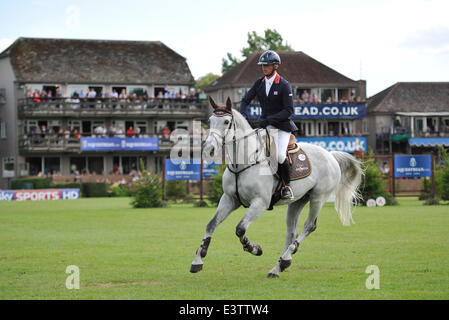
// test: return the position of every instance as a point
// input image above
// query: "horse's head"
(219, 124)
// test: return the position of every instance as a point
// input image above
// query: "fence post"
(394, 178)
(432, 164)
(163, 178)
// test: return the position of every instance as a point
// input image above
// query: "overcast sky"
(382, 41)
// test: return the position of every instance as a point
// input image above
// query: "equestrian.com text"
(227, 309)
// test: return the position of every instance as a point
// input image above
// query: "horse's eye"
(226, 122)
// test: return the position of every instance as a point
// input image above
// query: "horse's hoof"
(257, 250)
(284, 264)
(272, 275)
(196, 268)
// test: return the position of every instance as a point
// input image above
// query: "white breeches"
(281, 138)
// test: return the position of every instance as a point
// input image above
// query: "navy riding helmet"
(269, 57)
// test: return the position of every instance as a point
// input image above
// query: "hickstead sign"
(318, 111)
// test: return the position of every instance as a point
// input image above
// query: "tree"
(205, 80)
(271, 40)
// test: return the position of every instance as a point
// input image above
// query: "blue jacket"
(277, 107)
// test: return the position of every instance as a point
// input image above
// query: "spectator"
(166, 132)
(130, 132)
(305, 96)
(76, 134)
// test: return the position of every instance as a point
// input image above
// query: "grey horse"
(249, 181)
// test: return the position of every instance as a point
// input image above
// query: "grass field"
(126, 253)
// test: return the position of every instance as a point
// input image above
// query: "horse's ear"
(229, 104)
(212, 103)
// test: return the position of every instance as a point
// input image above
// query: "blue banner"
(119, 144)
(318, 111)
(347, 144)
(210, 169)
(189, 169)
(412, 166)
(185, 170)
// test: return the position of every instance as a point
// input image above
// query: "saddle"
(299, 161)
(299, 164)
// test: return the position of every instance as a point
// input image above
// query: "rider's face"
(267, 69)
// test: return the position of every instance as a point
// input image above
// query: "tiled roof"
(296, 66)
(411, 97)
(97, 61)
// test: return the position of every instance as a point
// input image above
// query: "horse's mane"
(241, 120)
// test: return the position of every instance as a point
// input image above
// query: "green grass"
(126, 253)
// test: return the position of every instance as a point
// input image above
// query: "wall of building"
(8, 145)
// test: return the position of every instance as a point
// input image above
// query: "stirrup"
(288, 189)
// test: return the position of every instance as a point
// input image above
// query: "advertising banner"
(318, 111)
(39, 194)
(347, 144)
(119, 144)
(189, 169)
(412, 166)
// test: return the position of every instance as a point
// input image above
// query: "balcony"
(105, 107)
(54, 143)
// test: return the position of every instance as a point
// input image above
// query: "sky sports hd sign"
(40, 194)
(318, 111)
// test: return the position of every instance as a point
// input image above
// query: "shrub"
(373, 184)
(216, 190)
(147, 191)
(119, 190)
(70, 185)
(31, 183)
(93, 189)
(176, 189)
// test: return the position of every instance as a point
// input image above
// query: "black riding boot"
(286, 192)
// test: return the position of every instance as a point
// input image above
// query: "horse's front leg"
(225, 207)
(257, 207)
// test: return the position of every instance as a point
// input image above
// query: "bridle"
(221, 112)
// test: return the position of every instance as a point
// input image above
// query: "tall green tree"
(271, 40)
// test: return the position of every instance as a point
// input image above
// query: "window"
(365, 128)
(51, 165)
(76, 124)
(72, 88)
(3, 129)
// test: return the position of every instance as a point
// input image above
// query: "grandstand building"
(95, 106)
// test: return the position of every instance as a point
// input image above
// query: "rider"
(276, 101)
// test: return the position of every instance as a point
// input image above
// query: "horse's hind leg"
(225, 207)
(316, 203)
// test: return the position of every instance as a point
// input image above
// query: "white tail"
(347, 193)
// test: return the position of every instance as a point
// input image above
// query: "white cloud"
(73, 17)
(365, 42)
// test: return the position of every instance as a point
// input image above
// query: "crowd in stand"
(307, 97)
(42, 132)
(111, 99)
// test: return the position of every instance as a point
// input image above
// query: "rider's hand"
(262, 123)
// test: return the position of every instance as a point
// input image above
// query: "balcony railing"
(405, 132)
(105, 107)
(38, 142)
